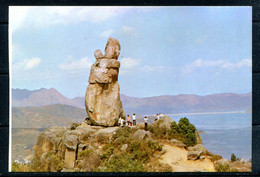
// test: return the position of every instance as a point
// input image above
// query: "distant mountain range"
(46, 116)
(42, 97)
(166, 104)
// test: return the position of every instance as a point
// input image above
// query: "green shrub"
(222, 168)
(133, 159)
(233, 157)
(184, 131)
(215, 157)
(159, 132)
(123, 132)
(85, 153)
(225, 168)
(107, 152)
(56, 163)
(155, 145)
(123, 163)
(101, 138)
(36, 166)
(17, 167)
(89, 160)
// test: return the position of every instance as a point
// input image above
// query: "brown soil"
(177, 159)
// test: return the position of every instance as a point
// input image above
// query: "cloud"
(128, 64)
(107, 33)
(26, 64)
(17, 16)
(128, 30)
(22, 17)
(222, 64)
(76, 65)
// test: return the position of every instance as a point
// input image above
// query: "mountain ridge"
(181, 103)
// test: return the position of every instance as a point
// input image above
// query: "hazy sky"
(164, 50)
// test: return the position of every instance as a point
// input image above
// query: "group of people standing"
(158, 116)
(128, 122)
(132, 122)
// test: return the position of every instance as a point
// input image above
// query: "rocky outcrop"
(163, 122)
(221, 162)
(141, 135)
(198, 137)
(67, 144)
(196, 151)
(102, 99)
(177, 143)
(194, 155)
(241, 166)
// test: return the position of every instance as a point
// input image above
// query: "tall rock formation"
(102, 99)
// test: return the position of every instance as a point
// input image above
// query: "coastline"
(201, 113)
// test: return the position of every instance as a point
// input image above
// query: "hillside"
(167, 104)
(165, 146)
(185, 103)
(41, 97)
(46, 116)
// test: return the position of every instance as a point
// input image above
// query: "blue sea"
(224, 133)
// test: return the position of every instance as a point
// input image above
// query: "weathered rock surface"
(221, 162)
(102, 99)
(241, 166)
(49, 140)
(177, 143)
(198, 147)
(196, 151)
(194, 155)
(68, 144)
(198, 137)
(98, 54)
(112, 49)
(107, 132)
(141, 135)
(164, 122)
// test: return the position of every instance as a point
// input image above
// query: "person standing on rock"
(160, 115)
(134, 121)
(119, 121)
(156, 117)
(128, 120)
(145, 123)
(122, 122)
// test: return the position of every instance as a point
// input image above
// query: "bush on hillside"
(133, 158)
(215, 157)
(233, 157)
(225, 168)
(183, 131)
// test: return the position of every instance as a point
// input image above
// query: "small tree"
(233, 157)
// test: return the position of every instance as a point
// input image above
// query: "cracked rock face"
(102, 99)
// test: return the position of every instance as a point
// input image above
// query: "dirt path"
(177, 159)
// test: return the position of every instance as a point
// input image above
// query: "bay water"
(224, 133)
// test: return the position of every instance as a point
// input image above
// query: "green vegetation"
(52, 163)
(134, 158)
(124, 151)
(50, 115)
(233, 157)
(183, 131)
(216, 157)
(224, 168)
(16, 167)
